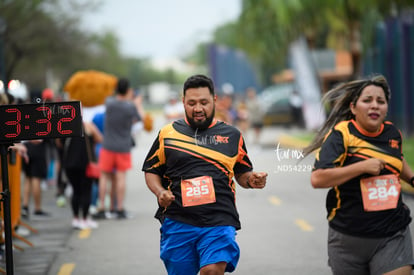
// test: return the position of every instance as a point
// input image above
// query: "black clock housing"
(40, 120)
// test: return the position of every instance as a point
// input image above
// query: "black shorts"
(36, 167)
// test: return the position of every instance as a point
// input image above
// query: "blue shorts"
(185, 249)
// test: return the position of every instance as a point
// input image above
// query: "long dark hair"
(340, 98)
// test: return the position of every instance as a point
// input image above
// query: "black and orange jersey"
(345, 144)
(181, 152)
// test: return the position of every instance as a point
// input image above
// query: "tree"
(105, 53)
(39, 36)
(266, 28)
(44, 38)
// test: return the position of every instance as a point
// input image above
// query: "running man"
(190, 169)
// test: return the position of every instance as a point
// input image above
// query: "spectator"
(255, 112)
(76, 159)
(35, 170)
(173, 110)
(120, 115)
(99, 121)
(296, 102)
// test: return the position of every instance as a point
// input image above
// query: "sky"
(161, 28)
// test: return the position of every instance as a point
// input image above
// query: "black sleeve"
(332, 152)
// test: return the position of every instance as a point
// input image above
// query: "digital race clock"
(39, 121)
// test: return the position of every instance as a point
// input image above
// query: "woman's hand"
(373, 166)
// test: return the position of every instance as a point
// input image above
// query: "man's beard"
(201, 125)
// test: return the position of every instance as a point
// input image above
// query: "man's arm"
(164, 196)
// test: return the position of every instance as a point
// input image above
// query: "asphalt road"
(284, 229)
(283, 226)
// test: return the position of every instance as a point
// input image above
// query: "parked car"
(275, 102)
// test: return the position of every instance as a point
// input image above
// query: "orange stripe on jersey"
(242, 153)
(338, 204)
(366, 133)
(388, 166)
(226, 161)
(215, 163)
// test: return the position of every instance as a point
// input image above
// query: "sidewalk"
(50, 238)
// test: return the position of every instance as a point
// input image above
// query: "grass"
(305, 137)
(408, 150)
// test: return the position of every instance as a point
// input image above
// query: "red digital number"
(48, 113)
(66, 119)
(14, 122)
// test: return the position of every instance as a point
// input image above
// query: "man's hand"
(257, 180)
(165, 198)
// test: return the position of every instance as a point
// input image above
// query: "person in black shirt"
(190, 169)
(361, 161)
(79, 151)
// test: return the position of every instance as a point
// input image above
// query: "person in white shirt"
(174, 109)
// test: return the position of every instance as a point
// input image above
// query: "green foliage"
(199, 55)
(408, 150)
(44, 37)
(228, 35)
(266, 28)
(35, 40)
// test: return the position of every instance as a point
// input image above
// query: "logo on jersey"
(394, 144)
(210, 140)
(221, 139)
